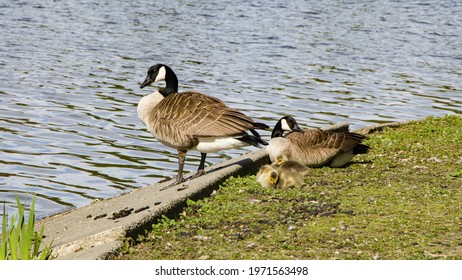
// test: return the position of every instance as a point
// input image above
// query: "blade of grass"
(21, 241)
(13, 240)
(27, 233)
(46, 252)
(20, 211)
(31, 220)
(4, 244)
(25, 243)
(22, 234)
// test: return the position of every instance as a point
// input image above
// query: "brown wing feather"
(319, 147)
(182, 117)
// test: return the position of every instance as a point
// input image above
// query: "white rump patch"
(212, 145)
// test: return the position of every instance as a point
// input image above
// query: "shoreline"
(97, 230)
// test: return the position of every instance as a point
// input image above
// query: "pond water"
(71, 70)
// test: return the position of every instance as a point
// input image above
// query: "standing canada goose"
(267, 176)
(193, 121)
(314, 147)
(283, 163)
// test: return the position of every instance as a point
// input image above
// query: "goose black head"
(285, 124)
(161, 72)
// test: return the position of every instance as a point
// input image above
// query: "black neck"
(277, 131)
(171, 82)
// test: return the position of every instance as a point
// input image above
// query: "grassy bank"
(403, 200)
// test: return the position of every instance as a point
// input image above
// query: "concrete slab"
(94, 231)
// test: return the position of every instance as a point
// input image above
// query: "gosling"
(288, 179)
(267, 176)
(283, 163)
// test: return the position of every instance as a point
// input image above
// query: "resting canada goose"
(193, 121)
(314, 147)
(267, 176)
(283, 163)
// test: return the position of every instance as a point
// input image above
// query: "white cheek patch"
(285, 125)
(161, 75)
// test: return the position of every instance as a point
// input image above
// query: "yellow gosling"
(267, 176)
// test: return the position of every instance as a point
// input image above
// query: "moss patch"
(403, 200)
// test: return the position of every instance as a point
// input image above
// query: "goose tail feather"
(361, 149)
(253, 140)
(260, 126)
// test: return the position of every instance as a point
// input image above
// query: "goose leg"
(179, 176)
(200, 170)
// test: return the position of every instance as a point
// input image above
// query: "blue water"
(71, 70)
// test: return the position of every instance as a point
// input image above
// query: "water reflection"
(71, 73)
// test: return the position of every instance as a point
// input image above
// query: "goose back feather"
(202, 116)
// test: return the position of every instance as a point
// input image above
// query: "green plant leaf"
(455, 174)
(4, 244)
(13, 240)
(22, 241)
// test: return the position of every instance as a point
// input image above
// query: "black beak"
(146, 82)
(297, 128)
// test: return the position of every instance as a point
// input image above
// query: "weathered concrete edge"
(77, 234)
(200, 188)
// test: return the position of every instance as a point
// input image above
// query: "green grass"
(21, 241)
(403, 200)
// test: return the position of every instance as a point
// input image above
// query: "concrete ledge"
(94, 231)
(379, 127)
(97, 230)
